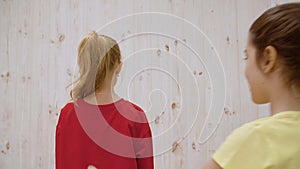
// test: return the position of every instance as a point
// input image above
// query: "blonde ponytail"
(97, 56)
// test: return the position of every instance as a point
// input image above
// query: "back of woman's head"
(280, 27)
(98, 55)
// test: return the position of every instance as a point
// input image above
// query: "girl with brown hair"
(273, 73)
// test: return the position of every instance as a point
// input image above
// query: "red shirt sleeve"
(143, 146)
(67, 153)
(58, 144)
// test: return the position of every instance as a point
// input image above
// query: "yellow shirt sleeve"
(245, 148)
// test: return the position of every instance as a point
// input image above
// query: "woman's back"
(81, 136)
(272, 142)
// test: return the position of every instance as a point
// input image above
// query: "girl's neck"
(105, 95)
(102, 98)
(284, 101)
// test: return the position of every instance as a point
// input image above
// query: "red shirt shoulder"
(65, 113)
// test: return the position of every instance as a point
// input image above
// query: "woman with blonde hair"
(98, 128)
(273, 73)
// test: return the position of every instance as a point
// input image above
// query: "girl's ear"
(119, 67)
(270, 58)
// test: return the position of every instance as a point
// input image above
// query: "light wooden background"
(39, 41)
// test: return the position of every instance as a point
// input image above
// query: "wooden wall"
(172, 84)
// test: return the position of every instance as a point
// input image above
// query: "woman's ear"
(270, 58)
(118, 67)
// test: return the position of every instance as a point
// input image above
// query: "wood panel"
(172, 84)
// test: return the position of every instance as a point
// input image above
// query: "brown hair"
(280, 27)
(97, 56)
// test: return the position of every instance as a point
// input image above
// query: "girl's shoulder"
(134, 112)
(67, 109)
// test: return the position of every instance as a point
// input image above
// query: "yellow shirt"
(268, 143)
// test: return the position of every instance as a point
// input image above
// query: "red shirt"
(111, 136)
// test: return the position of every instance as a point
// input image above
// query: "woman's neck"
(105, 95)
(284, 100)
